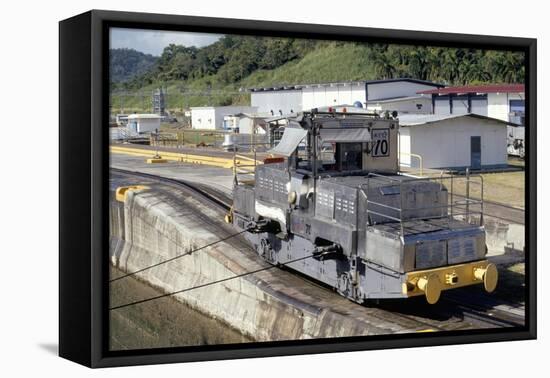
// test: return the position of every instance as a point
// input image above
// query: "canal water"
(163, 322)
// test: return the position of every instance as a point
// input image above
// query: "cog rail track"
(219, 199)
(484, 316)
(485, 313)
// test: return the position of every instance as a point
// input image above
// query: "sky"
(154, 41)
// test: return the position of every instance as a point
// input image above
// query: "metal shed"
(143, 123)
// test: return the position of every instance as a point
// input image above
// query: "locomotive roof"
(380, 180)
(356, 181)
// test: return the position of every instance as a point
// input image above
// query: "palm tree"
(419, 63)
(450, 65)
(383, 67)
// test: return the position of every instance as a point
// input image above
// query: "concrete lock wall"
(504, 237)
(147, 229)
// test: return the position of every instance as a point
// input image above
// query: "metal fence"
(215, 138)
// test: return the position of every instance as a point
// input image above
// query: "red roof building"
(501, 101)
(477, 89)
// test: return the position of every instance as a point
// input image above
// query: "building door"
(475, 152)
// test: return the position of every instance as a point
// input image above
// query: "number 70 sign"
(380, 142)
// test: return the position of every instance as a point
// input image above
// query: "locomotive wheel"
(265, 251)
(344, 285)
(264, 248)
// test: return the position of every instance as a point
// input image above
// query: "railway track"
(459, 305)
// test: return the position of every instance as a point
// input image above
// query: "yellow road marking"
(186, 158)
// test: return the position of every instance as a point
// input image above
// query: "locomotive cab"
(336, 208)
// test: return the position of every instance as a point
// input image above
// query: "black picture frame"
(84, 171)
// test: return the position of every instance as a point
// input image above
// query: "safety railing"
(458, 207)
(122, 134)
(163, 139)
(247, 169)
(410, 165)
(182, 138)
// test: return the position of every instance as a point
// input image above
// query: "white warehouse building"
(452, 141)
(212, 117)
(246, 123)
(401, 94)
(500, 101)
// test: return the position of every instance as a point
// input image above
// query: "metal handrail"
(452, 214)
(378, 175)
(422, 218)
(237, 166)
(419, 157)
(423, 208)
(253, 144)
(473, 201)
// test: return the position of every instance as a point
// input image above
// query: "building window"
(517, 112)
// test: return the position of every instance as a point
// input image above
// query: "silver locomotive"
(335, 207)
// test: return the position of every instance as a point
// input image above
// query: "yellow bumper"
(122, 191)
(431, 282)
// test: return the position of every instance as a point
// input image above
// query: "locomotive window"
(328, 156)
(341, 156)
(351, 156)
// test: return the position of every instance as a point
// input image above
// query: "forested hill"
(233, 62)
(127, 64)
(231, 59)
